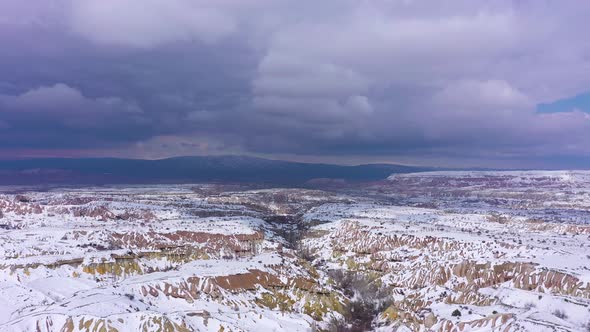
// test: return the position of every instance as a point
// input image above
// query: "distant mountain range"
(226, 169)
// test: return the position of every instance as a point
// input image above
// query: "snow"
(55, 265)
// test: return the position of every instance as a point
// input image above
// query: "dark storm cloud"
(382, 79)
(60, 116)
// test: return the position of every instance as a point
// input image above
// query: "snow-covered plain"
(558, 196)
(219, 258)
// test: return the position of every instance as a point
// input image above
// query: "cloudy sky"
(451, 83)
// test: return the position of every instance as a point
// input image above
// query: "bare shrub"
(529, 305)
(368, 300)
(306, 254)
(338, 325)
(560, 314)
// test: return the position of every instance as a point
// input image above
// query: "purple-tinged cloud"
(385, 80)
(60, 115)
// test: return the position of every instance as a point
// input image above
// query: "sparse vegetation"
(306, 254)
(529, 305)
(369, 299)
(560, 314)
(338, 325)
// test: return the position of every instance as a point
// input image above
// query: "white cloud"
(63, 99)
(490, 95)
(292, 76)
(58, 96)
(62, 104)
(359, 104)
(150, 23)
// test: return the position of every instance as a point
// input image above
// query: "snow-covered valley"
(420, 252)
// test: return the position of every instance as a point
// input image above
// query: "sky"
(443, 83)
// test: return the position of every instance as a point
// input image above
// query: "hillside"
(186, 170)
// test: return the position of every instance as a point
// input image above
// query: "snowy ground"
(210, 258)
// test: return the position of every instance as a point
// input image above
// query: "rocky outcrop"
(498, 322)
(19, 206)
(239, 244)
